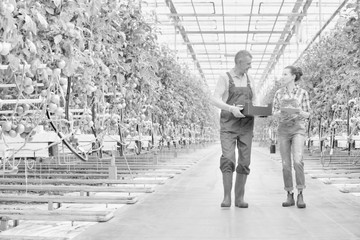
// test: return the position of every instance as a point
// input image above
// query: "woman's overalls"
(291, 133)
(236, 131)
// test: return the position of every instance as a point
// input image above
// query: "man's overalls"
(236, 131)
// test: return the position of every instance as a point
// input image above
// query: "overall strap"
(231, 80)
(248, 80)
(249, 86)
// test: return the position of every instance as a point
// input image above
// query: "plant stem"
(67, 98)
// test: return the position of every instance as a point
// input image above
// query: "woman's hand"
(288, 117)
(304, 114)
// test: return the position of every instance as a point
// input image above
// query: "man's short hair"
(241, 55)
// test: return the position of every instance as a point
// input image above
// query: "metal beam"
(322, 29)
(202, 37)
(183, 33)
(204, 62)
(230, 15)
(253, 54)
(236, 32)
(227, 55)
(224, 68)
(228, 60)
(229, 22)
(236, 43)
(273, 27)
(224, 26)
(248, 27)
(222, 54)
(278, 52)
(238, 4)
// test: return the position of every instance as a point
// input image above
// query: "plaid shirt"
(298, 93)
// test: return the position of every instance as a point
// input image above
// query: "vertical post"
(348, 128)
(308, 133)
(112, 167)
(3, 224)
(320, 136)
(50, 206)
(333, 132)
(320, 19)
(67, 98)
(152, 130)
(154, 157)
(16, 223)
(297, 38)
(175, 37)
(119, 145)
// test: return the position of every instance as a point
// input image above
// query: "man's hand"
(236, 110)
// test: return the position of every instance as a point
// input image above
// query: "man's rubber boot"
(240, 191)
(227, 182)
(289, 201)
(300, 201)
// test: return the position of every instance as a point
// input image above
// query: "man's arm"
(217, 98)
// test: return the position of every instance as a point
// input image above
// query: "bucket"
(272, 148)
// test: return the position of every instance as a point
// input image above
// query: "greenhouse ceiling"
(207, 34)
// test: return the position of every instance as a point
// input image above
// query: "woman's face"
(287, 77)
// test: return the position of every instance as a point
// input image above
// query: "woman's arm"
(276, 105)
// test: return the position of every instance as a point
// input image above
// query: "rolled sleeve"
(305, 103)
(276, 103)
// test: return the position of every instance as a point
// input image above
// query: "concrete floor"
(188, 207)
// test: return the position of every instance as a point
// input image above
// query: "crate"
(260, 111)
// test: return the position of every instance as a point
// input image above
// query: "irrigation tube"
(67, 144)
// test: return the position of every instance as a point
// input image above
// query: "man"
(233, 89)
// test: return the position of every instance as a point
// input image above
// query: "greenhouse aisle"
(188, 207)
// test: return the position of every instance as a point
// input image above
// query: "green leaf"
(95, 6)
(42, 20)
(30, 25)
(57, 3)
(57, 39)
(14, 61)
(350, 5)
(70, 67)
(50, 10)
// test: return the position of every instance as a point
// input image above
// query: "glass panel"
(218, 29)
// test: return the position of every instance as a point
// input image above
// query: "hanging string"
(26, 180)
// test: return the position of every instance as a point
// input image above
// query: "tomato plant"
(97, 65)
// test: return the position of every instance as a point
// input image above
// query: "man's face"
(243, 64)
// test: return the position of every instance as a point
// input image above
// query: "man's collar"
(233, 74)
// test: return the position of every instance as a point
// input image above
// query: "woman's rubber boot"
(227, 182)
(300, 201)
(240, 191)
(289, 200)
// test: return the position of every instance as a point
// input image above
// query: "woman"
(292, 107)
